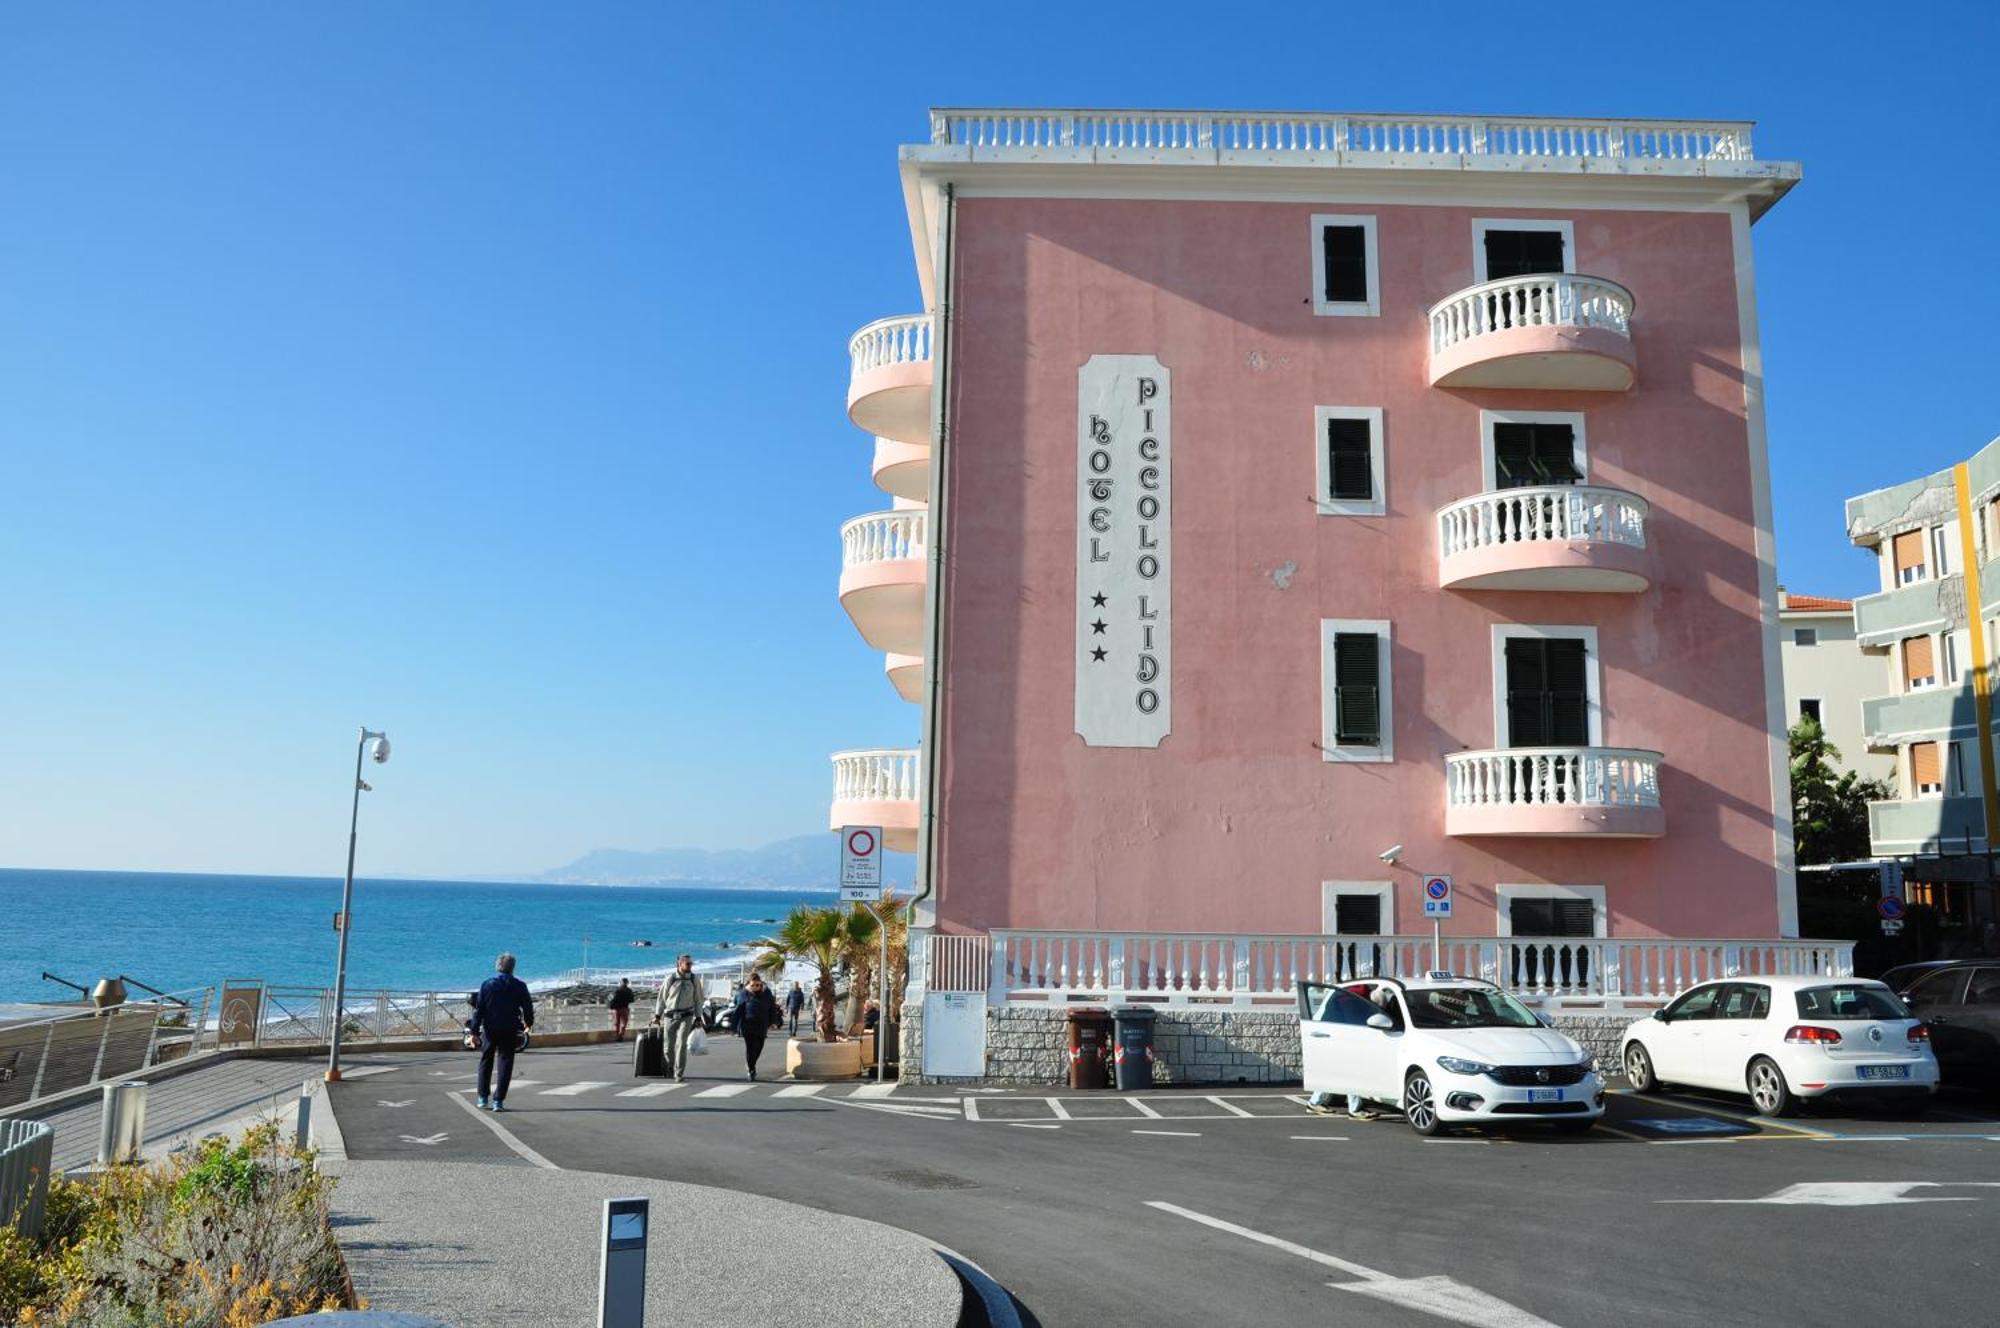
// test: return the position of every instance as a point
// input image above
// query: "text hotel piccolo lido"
(1287, 508)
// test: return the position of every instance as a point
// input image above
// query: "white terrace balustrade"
(879, 787)
(1252, 970)
(1545, 537)
(882, 578)
(1554, 791)
(1551, 330)
(889, 390)
(1703, 146)
(881, 537)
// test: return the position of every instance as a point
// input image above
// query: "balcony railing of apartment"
(904, 339)
(1545, 776)
(1550, 299)
(1934, 825)
(1927, 712)
(1654, 141)
(881, 537)
(880, 775)
(1544, 537)
(1922, 606)
(1244, 970)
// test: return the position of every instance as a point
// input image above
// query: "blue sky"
(475, 371)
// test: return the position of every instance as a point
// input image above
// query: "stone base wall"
(1028, 1044)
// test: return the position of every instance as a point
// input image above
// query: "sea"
(175, 931)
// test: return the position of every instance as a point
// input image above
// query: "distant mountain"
(808, 860)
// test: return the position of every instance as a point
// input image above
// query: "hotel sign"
(1124, 551)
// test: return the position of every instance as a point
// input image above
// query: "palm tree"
(891, 915)
(824, 938)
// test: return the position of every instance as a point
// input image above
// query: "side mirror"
(1661, 1015)
(1381, 1021)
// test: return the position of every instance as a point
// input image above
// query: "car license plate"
(1545, 1095)
(1884, 1071)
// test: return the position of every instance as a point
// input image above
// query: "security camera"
(382, 750)
(1391, 853)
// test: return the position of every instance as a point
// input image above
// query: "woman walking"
(756, 1011)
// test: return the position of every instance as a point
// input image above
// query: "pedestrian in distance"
(756, 1011)
(679, 1008)
(621, 1008)
(502, 1012)
(871, 1015)
(795, 1002)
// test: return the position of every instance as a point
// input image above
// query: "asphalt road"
(1238, 1207)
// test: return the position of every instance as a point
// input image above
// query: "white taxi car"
(1782, 1039)
(1447, 1050)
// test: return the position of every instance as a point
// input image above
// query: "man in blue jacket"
(501, 1012)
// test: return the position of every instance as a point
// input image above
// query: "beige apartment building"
(1828, 676)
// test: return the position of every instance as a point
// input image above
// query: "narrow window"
(1941, 549)
(1534, 454)
(1951, 672)
(1805, 636)
(1809, 708)
(1908, 552)
(1926, 771)
(1357, 688)
(1954, 769)
(1344, 254)
(1548, 703)
(1919, 663)
(1357, 915)
(1523, 253)
(1545, 916)
(1350, 460)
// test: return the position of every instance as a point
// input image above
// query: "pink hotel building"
(1290, 509)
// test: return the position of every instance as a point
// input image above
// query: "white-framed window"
(1357, 908)
(1346, 277)
(1805, 636)
(1546, 689)
(1941, 541)
(1351, 476)
(1519, 447)
(1357, 702)
(1809, 709)
(1957, 649)
(1564, 910)
(1505, 247)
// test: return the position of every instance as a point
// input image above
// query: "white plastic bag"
(698, 1042)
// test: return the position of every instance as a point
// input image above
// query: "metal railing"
(77, 1048)
(1191, 969)
(27, 1148)
(304, 1016)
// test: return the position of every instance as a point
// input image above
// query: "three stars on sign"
(1097, 626)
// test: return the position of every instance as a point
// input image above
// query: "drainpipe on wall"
(934, 559)
(1975, 620)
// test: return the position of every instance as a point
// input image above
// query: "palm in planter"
(822, 937)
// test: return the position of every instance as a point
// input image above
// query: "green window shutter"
(1350, 463)
(1357, 689)
(1534, 454)
(1345, 251)
(1548, 701)
(1552, 917)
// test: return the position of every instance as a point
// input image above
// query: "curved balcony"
(881, 787)
(1555, 330)
(889, 391)
(882, 578)
(1554, 792)
(1545, 537)
(906, 675)
(903, 470)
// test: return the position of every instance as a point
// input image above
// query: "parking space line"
(1178, 1134)
(972, 1108)
(1057, 1109)
(1623, 1134)
(1143, 1109)
(1322, 1138)
(1233, 1110)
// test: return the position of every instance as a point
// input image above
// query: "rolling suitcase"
(649, 1059)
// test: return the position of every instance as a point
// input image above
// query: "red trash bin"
(1089, 1040)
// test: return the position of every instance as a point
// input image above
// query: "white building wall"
(1840, 675)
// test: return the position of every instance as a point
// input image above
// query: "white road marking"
(1144, 1110)
(1032, 1125)
(380, 1102)
(972, 1108)
(724, 1090)
(520, 1149)
(647, 1090)
(800, 1090)
(571, 1090)
(1438, 1296)
(366, 1070)
(1328, 1138)
(1057, 1109)
(902, 1108)
(1858, 1193)
(430, 1140)
(873, 1090)
(1234, 1111)
(1178, 1134)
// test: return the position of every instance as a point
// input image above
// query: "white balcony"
(1554, 330)
(882, 578)
(906, 675)
(880, 787)
(902, 470)
(1545, 537)
(1554, 792)
(889, 390)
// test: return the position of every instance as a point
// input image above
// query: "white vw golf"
(1447, 1050)
(1781, 1039)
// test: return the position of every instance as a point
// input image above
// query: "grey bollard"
(302, 1138)
(121, 1135)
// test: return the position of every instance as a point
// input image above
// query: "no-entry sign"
(1437, 896)
(860, 863)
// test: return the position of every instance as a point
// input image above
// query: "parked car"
(1784, 1040)
(1959, 999)
(1447, 1050)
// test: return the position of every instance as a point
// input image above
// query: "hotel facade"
(1293, 511)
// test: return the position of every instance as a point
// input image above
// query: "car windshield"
(1850, 1002)
(1467, 1007)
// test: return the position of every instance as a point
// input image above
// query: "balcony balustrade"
(903, 470)
(1554, 330)
(889, 390)
(880, 787)
(1927, 826)
(1929, 712)
(1568, 792)
(882, 578)
(1545, 537)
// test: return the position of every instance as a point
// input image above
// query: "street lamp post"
(381, 741)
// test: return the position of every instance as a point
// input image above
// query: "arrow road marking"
(1439, 1296)
(437, 1138)
(1858, 1193)
(382, 1103)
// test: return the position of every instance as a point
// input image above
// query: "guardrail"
(27, 1148)
(1190, 969)
(304, 1016)
(42, 1057)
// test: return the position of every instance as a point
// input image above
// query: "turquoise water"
(177, 931)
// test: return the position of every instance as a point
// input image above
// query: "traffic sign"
(860, 863)
(1892, 879)
(1890, 907)
(1437, 896)
(1892, 928)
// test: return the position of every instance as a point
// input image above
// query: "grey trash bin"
(1134, 1055)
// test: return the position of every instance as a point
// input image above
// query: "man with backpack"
(501, 1013)
(621, 1008)
(679, 1008)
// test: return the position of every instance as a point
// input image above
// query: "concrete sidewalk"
(485, 1244)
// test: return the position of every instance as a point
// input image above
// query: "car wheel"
(1639, 1069)
(1768, 1091)
(1420, 1104)
(1576, 1126)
